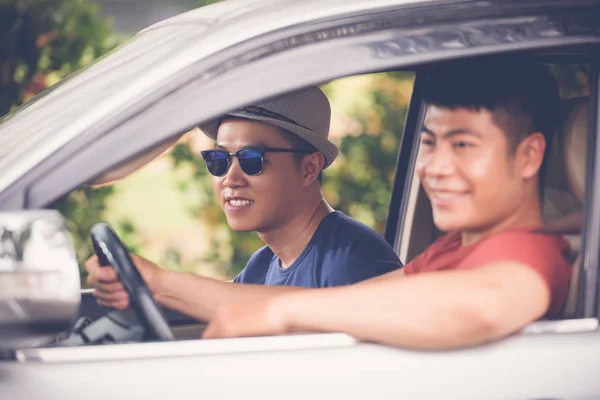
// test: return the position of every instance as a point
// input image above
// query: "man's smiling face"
(265, 201)
(468, 170)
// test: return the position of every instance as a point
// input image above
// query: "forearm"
(417, 312)
(199, 297)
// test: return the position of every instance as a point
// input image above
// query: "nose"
(234, 177)
(438, 162)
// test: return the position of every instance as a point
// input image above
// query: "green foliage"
(360, 184)
(82, 209)
(43, 41)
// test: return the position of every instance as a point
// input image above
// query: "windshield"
(44, 118)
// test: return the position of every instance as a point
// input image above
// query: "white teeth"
(240, 203)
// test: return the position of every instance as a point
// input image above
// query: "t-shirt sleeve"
(542, 253)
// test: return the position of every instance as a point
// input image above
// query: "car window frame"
(588, 302)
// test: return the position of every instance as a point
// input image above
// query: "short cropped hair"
(298, 143)
(522, 95)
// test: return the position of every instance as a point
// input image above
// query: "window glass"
(167, 211)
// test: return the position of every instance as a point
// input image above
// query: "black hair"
(298, 143)
(522, 96)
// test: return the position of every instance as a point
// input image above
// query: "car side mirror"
(39, 279)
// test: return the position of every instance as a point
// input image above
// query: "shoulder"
(352, 252)
(260, 255)
(338, 227)
(542, 252)
(344, 236)
(257, 266)
(523, 246)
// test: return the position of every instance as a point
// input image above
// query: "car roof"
(148, 61)
(256, 13)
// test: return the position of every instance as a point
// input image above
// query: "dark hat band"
(259, 111)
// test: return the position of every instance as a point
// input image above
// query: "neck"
(288, 241)
(529, 215)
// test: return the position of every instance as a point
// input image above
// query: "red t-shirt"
(543, 253)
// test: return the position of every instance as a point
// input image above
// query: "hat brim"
(327, 148)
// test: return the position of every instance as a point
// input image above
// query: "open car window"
(163, 205)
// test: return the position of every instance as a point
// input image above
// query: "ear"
(531, 151)
(311, 166)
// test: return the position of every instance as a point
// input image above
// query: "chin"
(241, 226)
(449, 224)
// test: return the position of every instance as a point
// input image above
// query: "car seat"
(565, 188)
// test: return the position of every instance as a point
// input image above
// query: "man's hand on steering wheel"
(123, 285)
(108, 289)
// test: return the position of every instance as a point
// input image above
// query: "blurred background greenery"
(167, 211)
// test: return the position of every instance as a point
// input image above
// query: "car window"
(167, 210)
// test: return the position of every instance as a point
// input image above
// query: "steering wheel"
(111, 251)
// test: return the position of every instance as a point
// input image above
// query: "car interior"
(563, 203)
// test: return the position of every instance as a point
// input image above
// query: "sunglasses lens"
(251, 161)
(216, 162)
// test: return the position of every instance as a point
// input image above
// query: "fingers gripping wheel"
(111, 251)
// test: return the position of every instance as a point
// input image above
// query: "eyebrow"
(451, 133)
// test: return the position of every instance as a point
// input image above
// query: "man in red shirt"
(487, 130)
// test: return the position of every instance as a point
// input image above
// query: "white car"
(194, 67)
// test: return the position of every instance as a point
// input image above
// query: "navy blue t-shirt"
(342, 251)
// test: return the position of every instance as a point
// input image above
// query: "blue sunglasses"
(251, 160)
